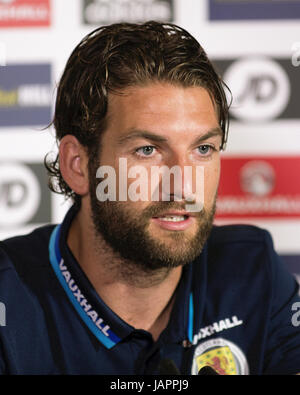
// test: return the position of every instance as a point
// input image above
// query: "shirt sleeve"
(282, 354)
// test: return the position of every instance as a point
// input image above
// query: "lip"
(170, 213)
(177, 226)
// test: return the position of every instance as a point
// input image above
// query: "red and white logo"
(24, 13)
(259, 187)
(257, 178)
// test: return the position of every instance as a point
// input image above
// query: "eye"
(205, 149)
(147, 150)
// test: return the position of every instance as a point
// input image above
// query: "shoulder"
(27, 288)
(25, 252)
(241, 250)
(241, 239)
(25, 271)
(232, 234)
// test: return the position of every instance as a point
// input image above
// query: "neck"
(142, 298)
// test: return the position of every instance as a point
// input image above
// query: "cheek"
(211, 180)
(133, 182)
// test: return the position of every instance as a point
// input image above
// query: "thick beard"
(126, 231)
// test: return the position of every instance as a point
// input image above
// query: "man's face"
(158, 125)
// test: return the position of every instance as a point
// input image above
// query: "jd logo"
(23, 194)
(14, 193)
(19, 194)
(260, 88)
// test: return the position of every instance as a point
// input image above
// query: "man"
(137, 280)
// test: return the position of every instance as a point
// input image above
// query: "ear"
(73, 164)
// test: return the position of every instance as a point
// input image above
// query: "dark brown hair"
(114, 57)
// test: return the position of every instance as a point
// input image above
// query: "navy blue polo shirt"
(236, 309)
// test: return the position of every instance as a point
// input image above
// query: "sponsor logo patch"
(259, 187)
(262, 9)
(24, 13)
(216, 327)
(263, 88)
(97, 12)
(24, 195)
(25, 94)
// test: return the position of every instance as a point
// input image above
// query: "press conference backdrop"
(255, 46)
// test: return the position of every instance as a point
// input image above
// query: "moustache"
(159, 208)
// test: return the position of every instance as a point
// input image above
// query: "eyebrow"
(136, 133)
(215, 132)
(142, 134)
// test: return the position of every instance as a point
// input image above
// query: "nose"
(181, 178)
(183, 181)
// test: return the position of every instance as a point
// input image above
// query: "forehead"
(161, 108)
